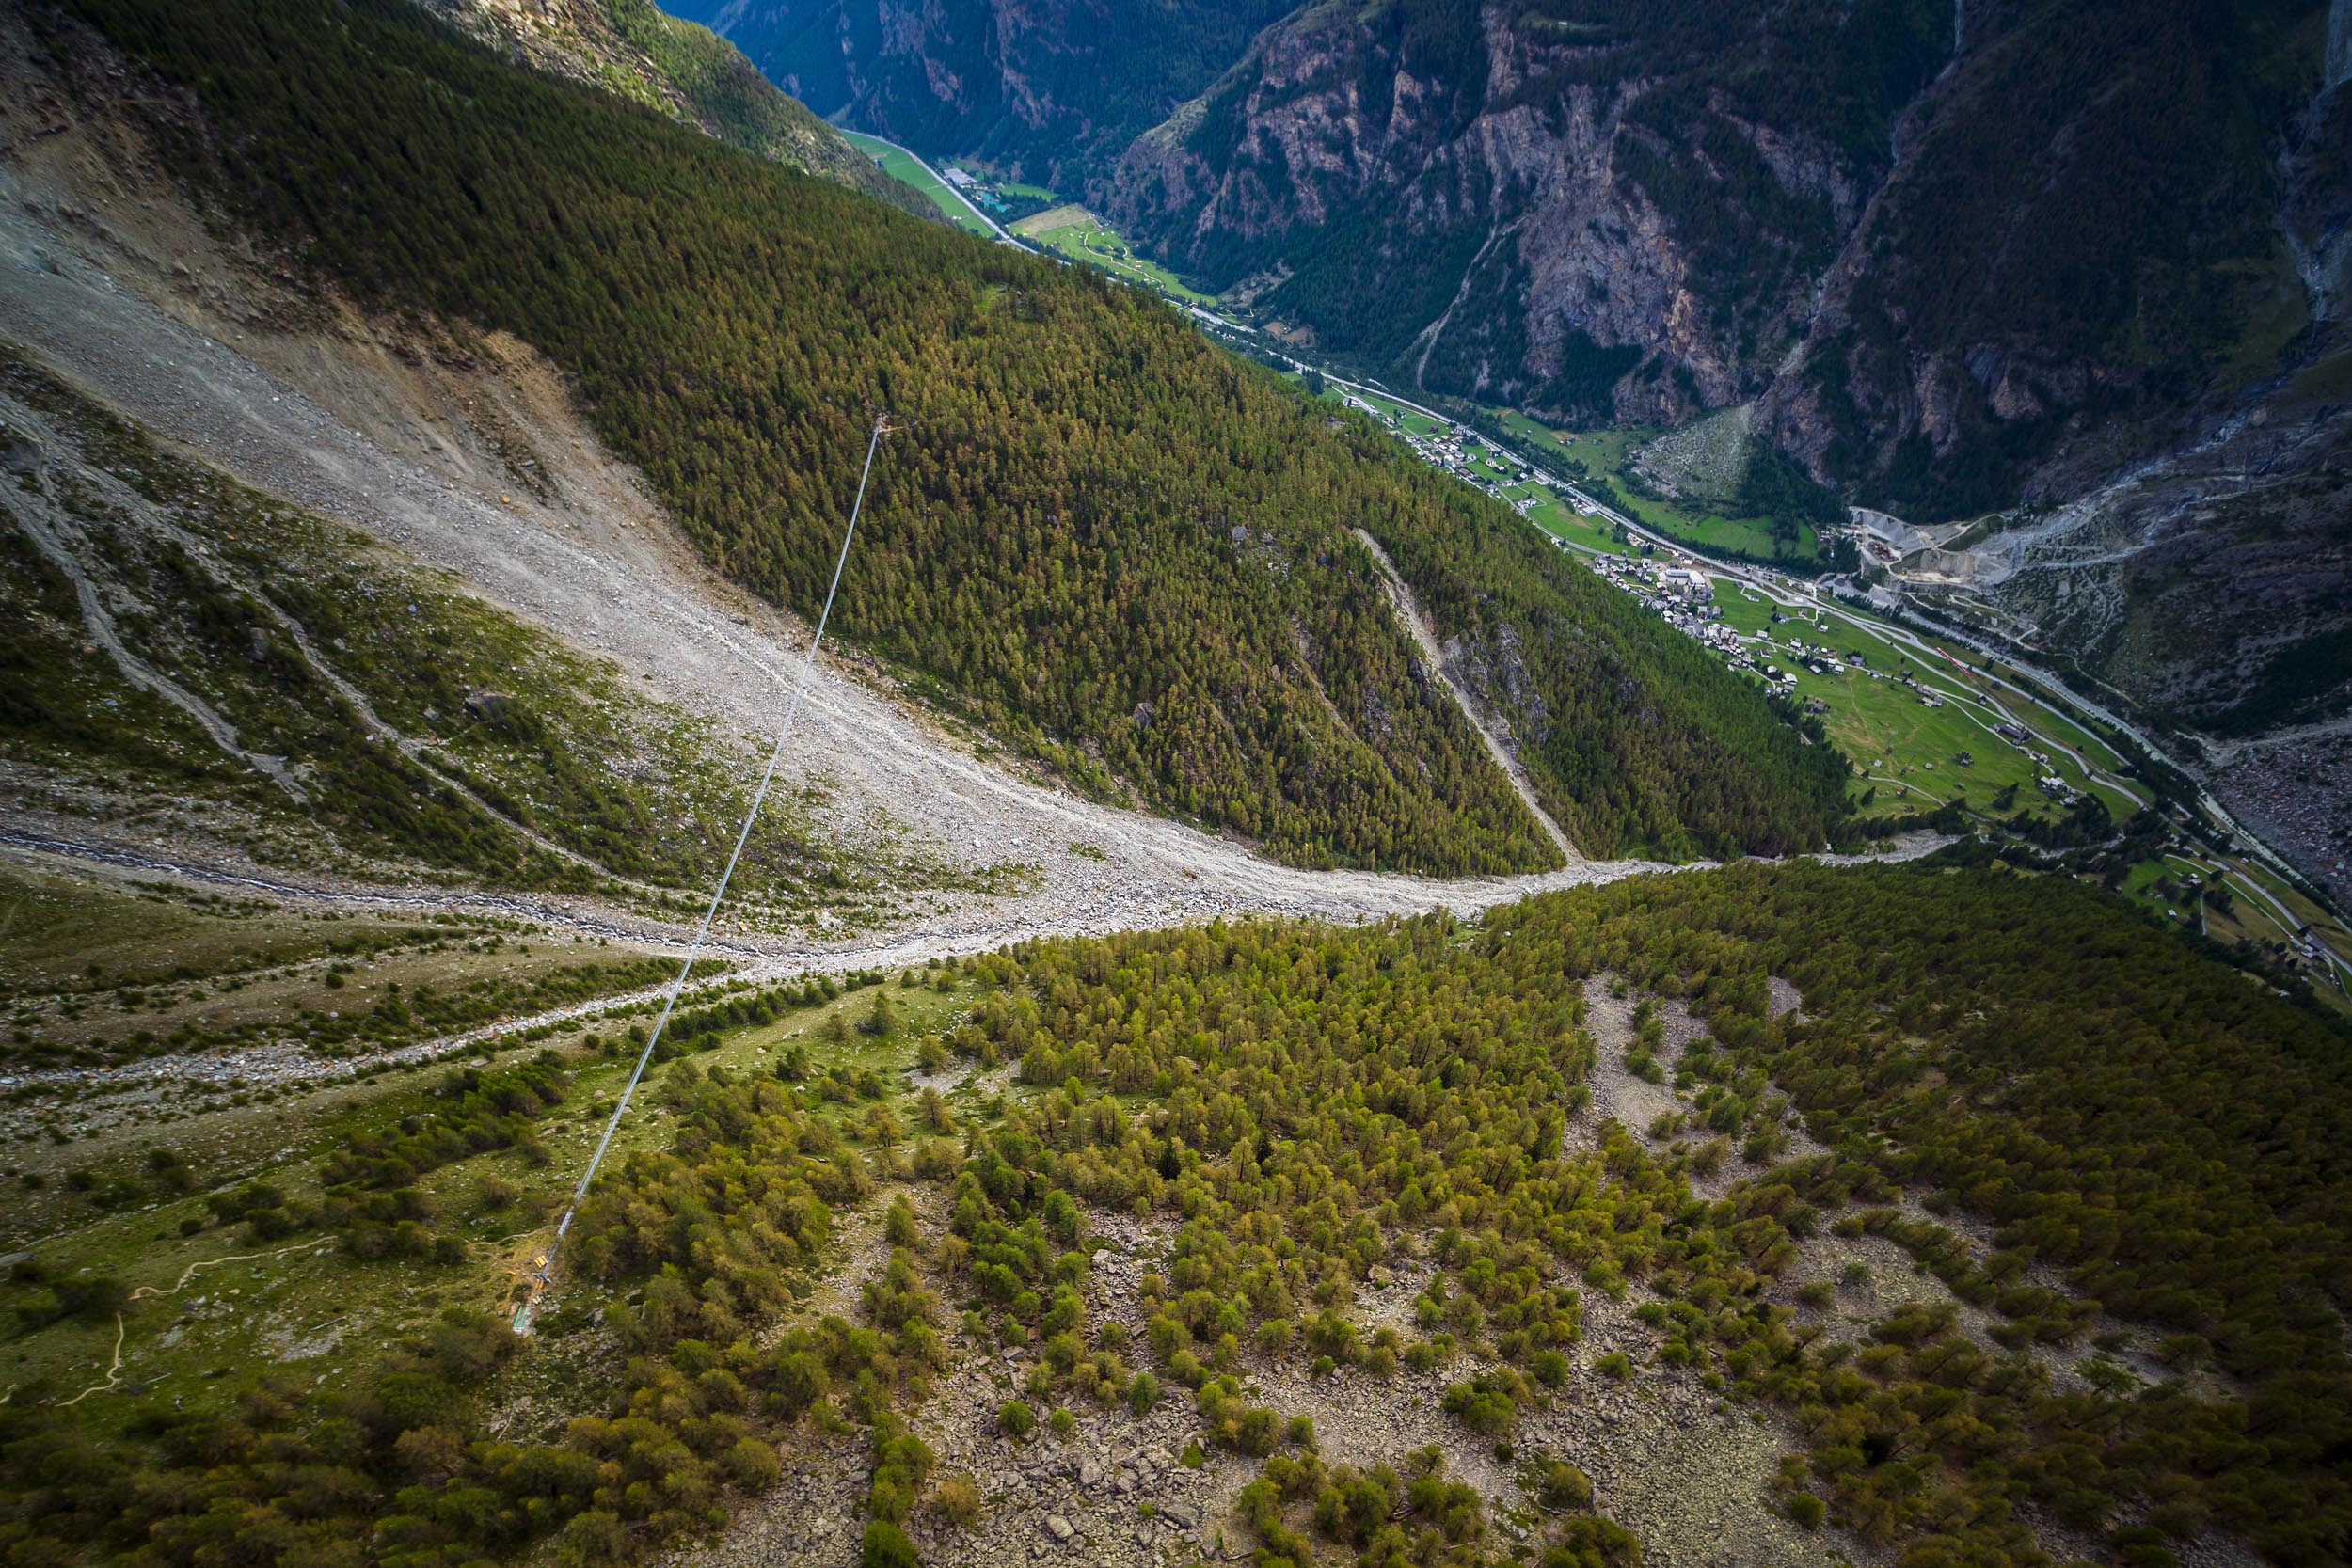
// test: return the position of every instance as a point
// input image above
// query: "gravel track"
(1490, 727)
(112, 285)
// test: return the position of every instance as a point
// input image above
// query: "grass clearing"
(302, 1304)
(209, 975)
(1547, 512)
(1608, 454)
(1079, 235)
(910, 170)
(1063, 216)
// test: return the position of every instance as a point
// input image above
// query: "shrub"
(887, 1546)
(1561, 1487)
(957, 1502)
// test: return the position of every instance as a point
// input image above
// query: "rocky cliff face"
(1592, 211)
(2082, 254)
(1961, 254)
(2209, 580)
(1048, 89)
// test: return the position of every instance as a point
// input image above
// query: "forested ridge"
(635, 48)
(1515, 600)
(2151, 1148)
(1115, 545)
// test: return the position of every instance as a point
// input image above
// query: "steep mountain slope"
(177, 644)
(1050, 89)
(2081, 263)
(633, 48)
(1113, 545)
(2085, 262)
(1580, 208)
(2079, 252)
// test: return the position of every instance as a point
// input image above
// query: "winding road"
(1770, 584)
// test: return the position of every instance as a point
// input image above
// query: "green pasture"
(1608, 453)
(1096, 244)
(898, 165)
(1893, 736)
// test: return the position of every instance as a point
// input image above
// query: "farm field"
(1608, 454)
(898, 165)
(1906, 751)
(1561, 521)
(1072, 231)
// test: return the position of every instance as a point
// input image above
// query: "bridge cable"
(545, 1268)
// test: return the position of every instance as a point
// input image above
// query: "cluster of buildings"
(1677, 590)
(1459, 451)
(978, 191)
(1684, 595)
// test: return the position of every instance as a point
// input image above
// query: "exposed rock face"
(2072, 266)
(1046, 89)
(1961, 254)
(1498, 206)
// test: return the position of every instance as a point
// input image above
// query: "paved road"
(999, 230)
(1767, 582)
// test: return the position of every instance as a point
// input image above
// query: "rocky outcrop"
(1958, 258)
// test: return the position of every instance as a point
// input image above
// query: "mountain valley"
(1890, 239)
(1301, 975)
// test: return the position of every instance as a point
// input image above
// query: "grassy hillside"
(2111, 1321)
(1120, 547)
